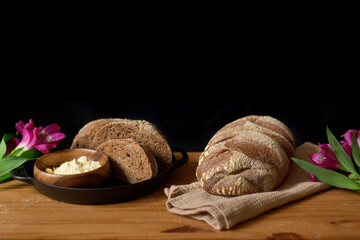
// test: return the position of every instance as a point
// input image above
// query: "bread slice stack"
(129, 161)
(136, 148)
(248, 155)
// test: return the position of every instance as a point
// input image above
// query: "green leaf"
(4, 140)
(355, 149)
(15, 152)
(340, 153)
(31, 153)
(8, 136)
(9, 163)
(5, 177)
(2, 147)
(328, 176)
(353, 177)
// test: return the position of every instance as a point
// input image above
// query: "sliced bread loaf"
(129, 161)
(143, 132)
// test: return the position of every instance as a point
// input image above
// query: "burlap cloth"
(223, 212)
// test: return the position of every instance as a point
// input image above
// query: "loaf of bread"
(129, 161)
(246, 156)
(142, 132)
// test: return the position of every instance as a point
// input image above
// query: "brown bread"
(267, 122)
(143, 132)
(129, 161)
(248, 155)
(244, 125)
(84, 138)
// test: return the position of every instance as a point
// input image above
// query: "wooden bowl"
(89, 179)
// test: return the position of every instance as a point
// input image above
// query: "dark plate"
(113, 191)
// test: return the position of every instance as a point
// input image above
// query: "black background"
(188, 82)
(188, 115)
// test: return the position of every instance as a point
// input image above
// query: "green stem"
(17, 152)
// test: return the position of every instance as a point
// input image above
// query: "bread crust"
(245, 125)
(273, 124)
(248, 155)
(85, 136)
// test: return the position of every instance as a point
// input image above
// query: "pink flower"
(313, 178)
(347, 147)
(349, 134)
(43, 139)
(325, 158)
(28, 131)
(48, 138)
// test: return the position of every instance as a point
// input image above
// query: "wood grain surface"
(26, 214)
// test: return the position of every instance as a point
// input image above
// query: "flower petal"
(20, 126)
(44, 148)
(313, 178)
(347, 147)
(326, 147)
(48, 138)
(52, 128)
(349, 134)
(55, 137)
(318, 158)
(29, 137)
(325, 158)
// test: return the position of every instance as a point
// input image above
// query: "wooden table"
(26, 214)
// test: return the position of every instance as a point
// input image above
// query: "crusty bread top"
(264, 124)
(248, 155)
(245, 125)
(249, 162)
(85, 136)
(273, 124)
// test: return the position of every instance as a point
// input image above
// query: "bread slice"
(143, 132)
(129, 161)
